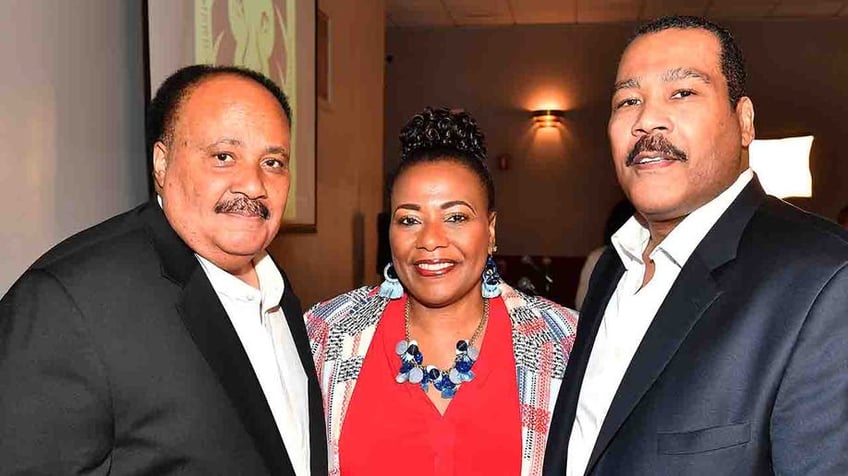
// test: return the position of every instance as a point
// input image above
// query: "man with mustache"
(713, 337)
(166, 340)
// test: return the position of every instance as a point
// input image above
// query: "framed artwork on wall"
(274, 37)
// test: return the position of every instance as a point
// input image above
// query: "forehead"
(657, 53)
(443, 178)
(225, 101)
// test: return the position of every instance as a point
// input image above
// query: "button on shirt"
(630, 312)
(266, 338)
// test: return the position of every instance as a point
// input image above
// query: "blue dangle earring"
(391, 287)
(491, 279)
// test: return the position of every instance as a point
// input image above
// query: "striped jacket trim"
(341, 329)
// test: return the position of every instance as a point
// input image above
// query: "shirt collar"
(631, 239)
(629, 242)
(271, 285)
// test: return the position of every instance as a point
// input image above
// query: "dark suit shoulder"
(116, 257)
(89, 240)
(792, 229)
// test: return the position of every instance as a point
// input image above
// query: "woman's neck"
(457, 318)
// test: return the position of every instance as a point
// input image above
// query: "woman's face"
(441, 232)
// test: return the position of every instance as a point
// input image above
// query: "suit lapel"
(317, 430)
(602, 284)
(690, 296)
(209, 326)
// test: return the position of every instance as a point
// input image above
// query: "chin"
(242, 248)
(656, 205)
(437, 298)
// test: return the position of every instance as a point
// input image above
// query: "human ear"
(745, 115)
(160, 163)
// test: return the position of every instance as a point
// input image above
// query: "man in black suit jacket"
(121, 351)
(714, 337)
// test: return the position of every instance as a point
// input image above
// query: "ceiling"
(447, 13)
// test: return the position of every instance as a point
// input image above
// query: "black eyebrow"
(408, 206)
(677, 74)
(277, 149)
(454, 203)
(273, 149)
(444, 206)
(225, 140)
(625, 84)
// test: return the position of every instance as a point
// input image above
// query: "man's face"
(224, 175)
(676, 140)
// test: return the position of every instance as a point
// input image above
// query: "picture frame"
(274, 37)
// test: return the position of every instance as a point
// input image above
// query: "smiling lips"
(654, 151)
(434, 267)
(652, 160)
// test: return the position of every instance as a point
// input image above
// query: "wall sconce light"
(548, 117)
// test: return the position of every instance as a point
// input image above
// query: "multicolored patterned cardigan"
(340, 331)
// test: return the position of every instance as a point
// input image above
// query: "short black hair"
(164, 107)
(731, 58)
(442, 134)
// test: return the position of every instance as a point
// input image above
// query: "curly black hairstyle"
(438, 134)
(731, 58)
(164, 108)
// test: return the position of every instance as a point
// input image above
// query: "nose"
(653, 118)
(432, 236)
(250, 182)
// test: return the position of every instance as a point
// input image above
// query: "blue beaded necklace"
(447, 381)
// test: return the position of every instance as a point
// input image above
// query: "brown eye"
(456, 218)
(276, 163)
(627, 102)
(407, 221)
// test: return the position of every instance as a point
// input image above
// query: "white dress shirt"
(267, 340)
(630, 312)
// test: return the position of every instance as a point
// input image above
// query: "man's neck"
(248, 275)
(455, 318)
(244, 270)
(659, 230)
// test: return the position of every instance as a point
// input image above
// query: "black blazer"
(116, 357)
(744, 369)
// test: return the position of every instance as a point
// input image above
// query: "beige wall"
(349, 159)
(561, 185)
(71, 122)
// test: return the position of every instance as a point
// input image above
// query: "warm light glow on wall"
(783, 166)
(546, 97)
(548, 117)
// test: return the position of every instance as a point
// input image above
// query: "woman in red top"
(444, 369)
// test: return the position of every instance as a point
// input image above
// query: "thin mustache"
(243, 204)
(655, 143)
